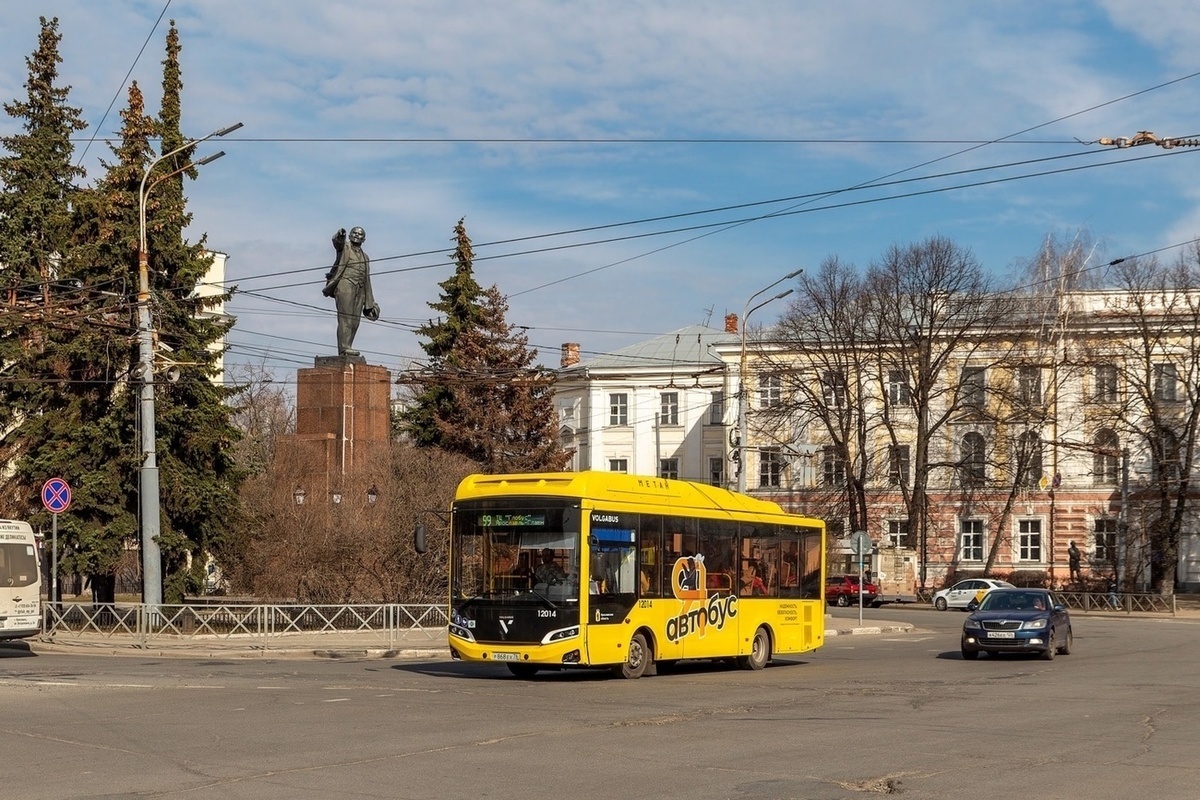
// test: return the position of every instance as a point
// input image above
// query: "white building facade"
(669, 407)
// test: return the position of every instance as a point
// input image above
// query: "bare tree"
(304, 547)
(825, 402)
(1154, 346)
(263, 411)
(932, 309)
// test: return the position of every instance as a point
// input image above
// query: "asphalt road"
(867, 715)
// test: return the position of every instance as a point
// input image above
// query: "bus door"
(612, 581)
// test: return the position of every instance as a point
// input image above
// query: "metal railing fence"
(385, 625)
(1123, 602)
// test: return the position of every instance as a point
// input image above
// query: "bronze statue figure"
(349, 283)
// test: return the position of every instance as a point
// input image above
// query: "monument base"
(343, 407)
(338, 361)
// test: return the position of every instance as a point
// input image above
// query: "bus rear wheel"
(637, 659)
(760, 652)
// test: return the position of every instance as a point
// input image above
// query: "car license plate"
(1001, 635)
(504, 657)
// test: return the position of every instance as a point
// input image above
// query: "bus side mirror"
(419, 538)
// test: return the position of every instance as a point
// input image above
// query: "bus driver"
(548, 572)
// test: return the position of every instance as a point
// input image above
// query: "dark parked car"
(843, 590)
(1018, 621)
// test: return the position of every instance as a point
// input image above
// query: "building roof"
(688, 347)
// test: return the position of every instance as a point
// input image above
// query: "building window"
(668, 468)
(770, 391)
(618, 409)
(833, 388)
(1029, 459)
(1106, 540)
(670, 409)
(1104, 379)
(833, 468)
(972, 387)
(897, 388)
(1029, 385)
(970, 540)
(1029, 540)
(972, 465)
(716, 409)
(1166, 379)
(618, 465)
(770, 468)
(898, 465)
(897, 535)
(1168, 469)
(1106, 463)
(716, 471)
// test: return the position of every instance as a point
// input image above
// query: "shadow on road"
(16, 650)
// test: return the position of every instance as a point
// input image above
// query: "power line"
(689, 214)
(124, 81)
(616, 140)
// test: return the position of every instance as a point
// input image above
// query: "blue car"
(1018, 621)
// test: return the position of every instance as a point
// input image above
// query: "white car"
(963, 592)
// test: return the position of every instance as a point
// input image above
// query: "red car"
(843, 591)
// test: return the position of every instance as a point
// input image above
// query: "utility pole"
(148, 487)
(743, 398)
(1123, 521)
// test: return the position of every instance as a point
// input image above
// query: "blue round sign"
(56, 495)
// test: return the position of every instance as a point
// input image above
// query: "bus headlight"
(561, 634)
(460, 632)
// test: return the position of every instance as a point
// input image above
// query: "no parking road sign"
(56, 495)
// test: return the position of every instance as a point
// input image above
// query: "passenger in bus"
(548, 572)
(720, 576)
(752, 584)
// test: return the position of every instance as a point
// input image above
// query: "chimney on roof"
(731, 323)
(570, 354)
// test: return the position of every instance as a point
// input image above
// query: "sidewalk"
(431, 647)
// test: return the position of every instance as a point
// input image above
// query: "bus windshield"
(513, 548)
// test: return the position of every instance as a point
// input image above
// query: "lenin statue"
(349, 283)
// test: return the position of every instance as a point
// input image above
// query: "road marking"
(336, 700)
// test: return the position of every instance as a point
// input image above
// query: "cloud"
(334, 97)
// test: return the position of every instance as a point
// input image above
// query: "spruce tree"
(108, 447)
(502, 406)
(460, 305)
(482, 396)
(59, 363)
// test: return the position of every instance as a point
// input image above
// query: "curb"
(869, 629)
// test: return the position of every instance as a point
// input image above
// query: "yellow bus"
(598, 569)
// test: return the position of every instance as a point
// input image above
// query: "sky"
(628, 169)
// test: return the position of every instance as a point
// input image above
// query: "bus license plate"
(1001, 635)
(504, 657)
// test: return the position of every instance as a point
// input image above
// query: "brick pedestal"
(343, 413)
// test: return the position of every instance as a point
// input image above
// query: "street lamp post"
(148, 490)
(743, 399)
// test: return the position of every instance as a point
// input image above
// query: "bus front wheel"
(637, 659)
(760, 652)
